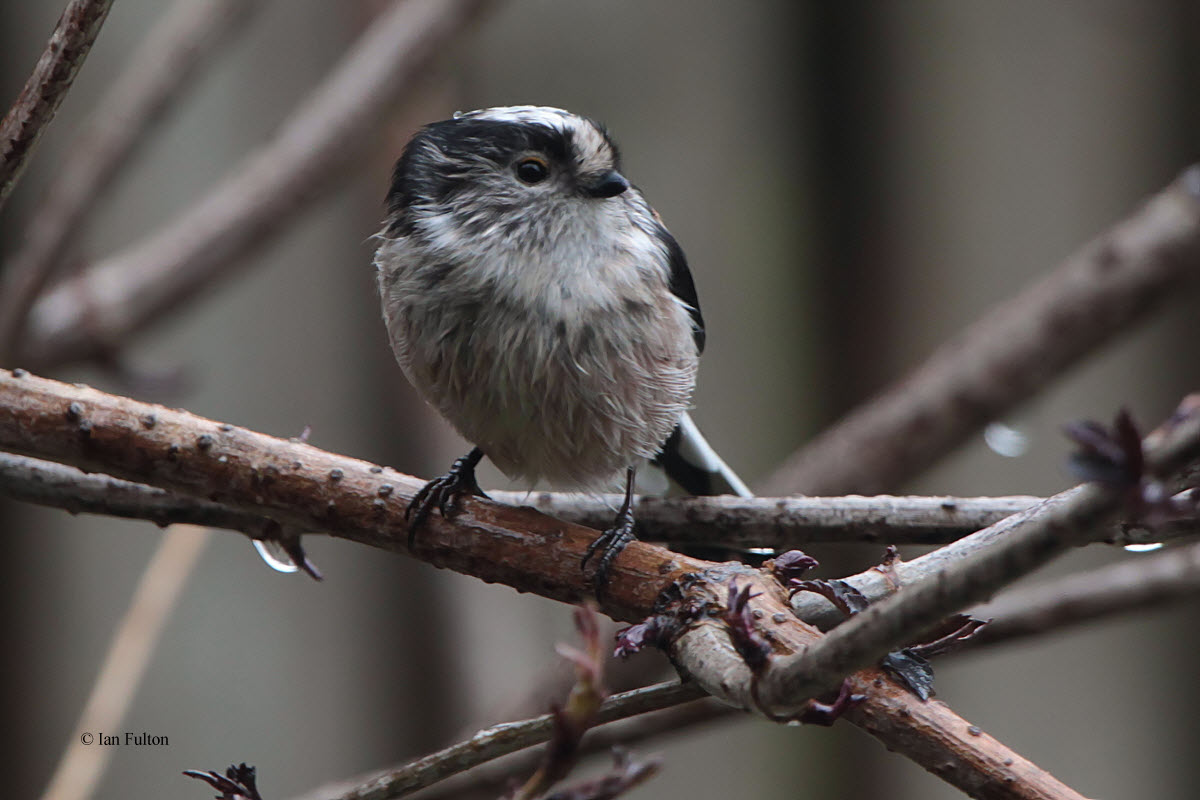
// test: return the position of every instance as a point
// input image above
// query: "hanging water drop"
(274, 555)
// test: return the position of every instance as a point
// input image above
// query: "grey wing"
(683, 287)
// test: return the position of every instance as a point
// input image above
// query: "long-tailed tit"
(533, 296)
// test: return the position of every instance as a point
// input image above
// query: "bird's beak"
(604, 184)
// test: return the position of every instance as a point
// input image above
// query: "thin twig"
(783, 523)
(496, 741)
(787, 523)
(65, 52)
(314, 149)
(875, 584)
(494, 777)
(172, 53)
(1135, 584)
(156, 596)
(59, 486)
(1006, 357)
(1014, 548)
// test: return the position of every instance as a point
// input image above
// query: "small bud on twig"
(238, 782)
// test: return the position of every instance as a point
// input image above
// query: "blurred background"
(853, 183)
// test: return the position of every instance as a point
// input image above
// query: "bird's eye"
(532, 170)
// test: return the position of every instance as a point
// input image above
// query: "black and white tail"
(691, 462)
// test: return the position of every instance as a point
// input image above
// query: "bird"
(535, 299)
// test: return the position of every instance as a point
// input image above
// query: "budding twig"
(496, 741)
(240, 782)
(928, 732)
(578, 714)
(493, 778)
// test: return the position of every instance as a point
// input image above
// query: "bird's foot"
(609, 544)
(444, 492)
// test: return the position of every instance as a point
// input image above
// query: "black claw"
(610, 543)
(444, 492)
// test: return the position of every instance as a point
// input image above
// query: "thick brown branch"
(52, 77)
(186, 35)
(1121, 588)
(1138, 583)
(1010, 354)
(88, 315)
(929, 732)
(310, 489)
(948, 746)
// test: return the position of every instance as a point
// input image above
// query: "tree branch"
(494, 777)
(1141, 582)
(1006, 357)
(115, 298)
(1014, 548)
(50, 484)
(304, 487)
(52, 77)
(784, 523)
(1146, 581)
(928, 732)
(173, 50)
(300, 485)
(876, 585)
(496, 741)
(788, 523)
